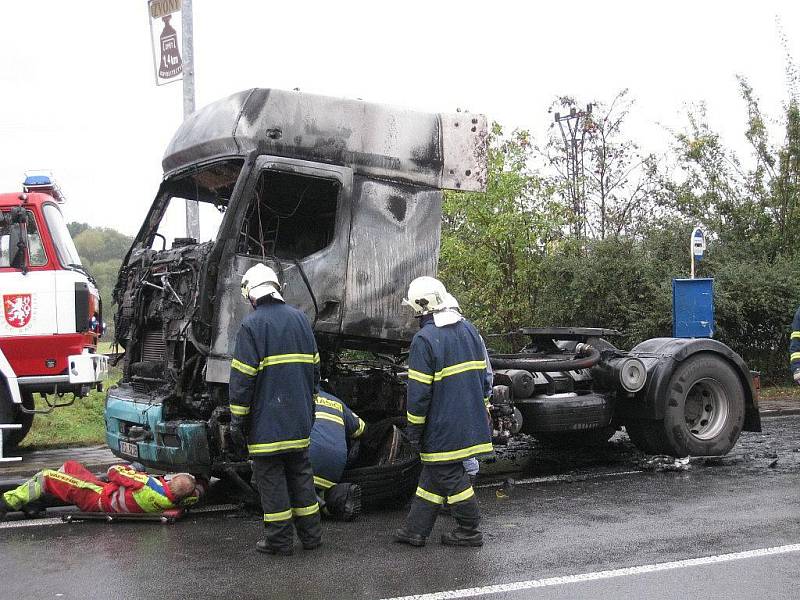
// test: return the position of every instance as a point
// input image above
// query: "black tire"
(571, 414)
(10, 413)
(703, 411)
(577, 439)
(647, 435)
(386, 485)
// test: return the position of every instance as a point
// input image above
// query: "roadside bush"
(755, 303)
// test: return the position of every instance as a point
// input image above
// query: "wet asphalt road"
(569, 514)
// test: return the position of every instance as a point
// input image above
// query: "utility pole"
(192, 211)
(573, 137)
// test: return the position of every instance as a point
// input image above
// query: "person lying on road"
(126, 491)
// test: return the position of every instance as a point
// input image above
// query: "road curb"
(779, 412)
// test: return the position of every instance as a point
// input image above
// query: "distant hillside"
(101, 250)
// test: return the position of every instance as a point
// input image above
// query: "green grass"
(80, 424)
(108, 348)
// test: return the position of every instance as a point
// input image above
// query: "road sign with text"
(165, 32)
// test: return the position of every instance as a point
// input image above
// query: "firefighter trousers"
(440, 483)
(286, 486)
(72, 483)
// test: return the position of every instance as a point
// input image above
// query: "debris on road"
(505, 488)
(664, 462)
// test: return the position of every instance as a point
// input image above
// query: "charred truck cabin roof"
(341, 197)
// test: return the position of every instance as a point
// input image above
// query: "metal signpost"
(693, 299)
(698, 246)
(173, 58)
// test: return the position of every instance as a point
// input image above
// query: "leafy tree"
(617, 181)
(101, 250)
(75, 228)
(493, 242)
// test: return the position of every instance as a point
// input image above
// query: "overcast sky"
(77, 90)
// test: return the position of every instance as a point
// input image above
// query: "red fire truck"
(51, 311)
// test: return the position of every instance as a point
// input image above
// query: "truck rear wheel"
(703, 412)
(10, 413)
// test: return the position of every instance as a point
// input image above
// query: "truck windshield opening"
(211, 188)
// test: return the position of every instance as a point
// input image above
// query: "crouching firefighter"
(449, 384)
(126, 491)
(274, 380)
(334, 425)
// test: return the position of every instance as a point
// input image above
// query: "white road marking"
(553, 581)
(551, 478)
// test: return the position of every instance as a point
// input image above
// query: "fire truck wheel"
(11, 414)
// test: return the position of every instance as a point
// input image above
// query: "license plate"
(129, 449)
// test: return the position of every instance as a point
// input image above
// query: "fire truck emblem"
(17, 309)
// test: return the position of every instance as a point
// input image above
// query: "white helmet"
(427, 295)
(452, 303)
(259, 281)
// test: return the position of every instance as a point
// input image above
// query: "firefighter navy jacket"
(274, 378)
(449, 384)
(333, 424)
(794, 343)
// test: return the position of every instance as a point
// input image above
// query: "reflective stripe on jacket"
(274, 378)
(449, 383)
(794, 343)
(334, 423)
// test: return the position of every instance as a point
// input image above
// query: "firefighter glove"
(238, 437)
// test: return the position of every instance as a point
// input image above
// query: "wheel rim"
(706, 409)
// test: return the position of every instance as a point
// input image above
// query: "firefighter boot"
(264, 547)
(464, 535)
(403, 536)
(343, 501)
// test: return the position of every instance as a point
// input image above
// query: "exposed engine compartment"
(165, 360)
(561, 380)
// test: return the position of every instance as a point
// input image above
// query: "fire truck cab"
(51, 309)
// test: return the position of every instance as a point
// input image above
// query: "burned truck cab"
(341, 197)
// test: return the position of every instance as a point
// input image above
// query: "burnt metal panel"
(325, 269)
(375, 140)
(394, 238)
(206, 134)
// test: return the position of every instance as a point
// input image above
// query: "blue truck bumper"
(136, 431)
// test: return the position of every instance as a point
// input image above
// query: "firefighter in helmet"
(449, 384)
(274, 380)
